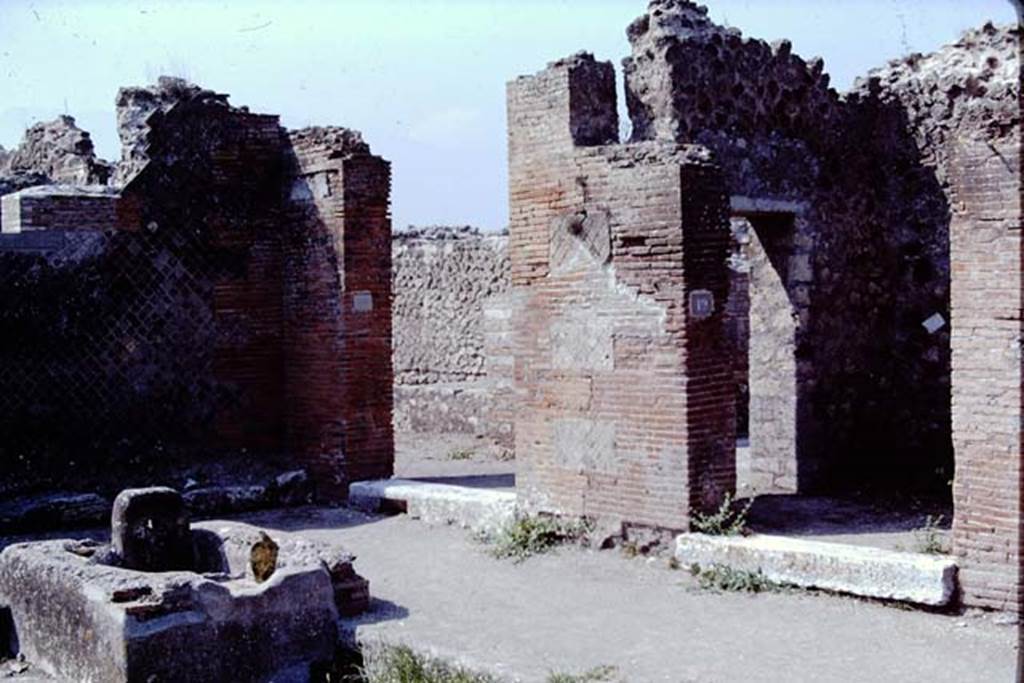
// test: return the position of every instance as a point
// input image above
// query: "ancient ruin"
(167, 600)
(236, 275)
(769, 290)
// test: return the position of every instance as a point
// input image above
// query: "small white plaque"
(934, 323)
(702, 304)
(362, 302)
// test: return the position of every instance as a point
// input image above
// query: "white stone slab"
(868, 572)
(480, 510)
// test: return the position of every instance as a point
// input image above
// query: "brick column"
(338, 311)
(625, 405)
(985, 252)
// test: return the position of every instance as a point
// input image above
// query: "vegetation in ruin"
(930, 538)
(728, 520)
(724, 578)
(600, 673)
(400, 664)
(533, 535)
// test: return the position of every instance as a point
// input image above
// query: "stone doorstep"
(857, 570)
(480, 510)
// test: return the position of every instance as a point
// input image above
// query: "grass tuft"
(460, 454)
(723, 578)
(532, 535)
(400, 664)
(595, 675)
(728, 520)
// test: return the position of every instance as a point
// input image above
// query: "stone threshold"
(856, 570)
(479, 510)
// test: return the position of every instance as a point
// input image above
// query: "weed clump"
(724, 578)
(595, 675)
(532, 535)
(400, 664)
(728, 520)
(929, 538)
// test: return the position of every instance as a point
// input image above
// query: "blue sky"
(422, 79)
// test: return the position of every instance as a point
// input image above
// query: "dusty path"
(577, 609)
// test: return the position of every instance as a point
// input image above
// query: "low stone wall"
(445, 280)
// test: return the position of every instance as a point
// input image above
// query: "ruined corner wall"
(338, 309)
(162, 335)
(448, 285)
(864, 176)
(625, 406)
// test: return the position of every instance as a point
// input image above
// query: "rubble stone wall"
(445, 281)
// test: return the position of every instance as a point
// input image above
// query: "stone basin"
(79, 616)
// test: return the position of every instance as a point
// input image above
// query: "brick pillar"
(338, 311)
(985, 254)
(625, 396)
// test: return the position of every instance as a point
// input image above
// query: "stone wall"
(58, 150)
(442, 277)
(618, 259)
(864, 184)
(448, 285)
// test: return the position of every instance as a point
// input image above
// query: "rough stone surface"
(59, 151)
(447, 284)
(480, 510)
(79, 619)
(868, 572)
(53, 511)
(441, 279)
(149, 530)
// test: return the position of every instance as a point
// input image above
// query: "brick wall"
(59, 207)
(214, 314)
(985, 239)
(626, 400)
(338, 304)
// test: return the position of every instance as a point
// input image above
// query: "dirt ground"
(574, 610)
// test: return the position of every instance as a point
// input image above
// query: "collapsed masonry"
(874, 298)
(227, 298)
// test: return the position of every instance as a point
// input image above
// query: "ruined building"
(225, 300)
(832, 278)
(876, 236)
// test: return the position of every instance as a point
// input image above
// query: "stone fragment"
(858, 570)
(291, 488)
(149, 530)
(263, 558)
(55, 510)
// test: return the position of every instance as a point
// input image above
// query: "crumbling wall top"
(688, 75)
(970, 86)
(59, 151)
(135, 106)
(342, 142)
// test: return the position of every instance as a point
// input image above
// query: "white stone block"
(858, 570)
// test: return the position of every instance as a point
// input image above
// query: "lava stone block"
(149, 530)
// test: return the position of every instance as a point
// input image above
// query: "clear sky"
(422, 79)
